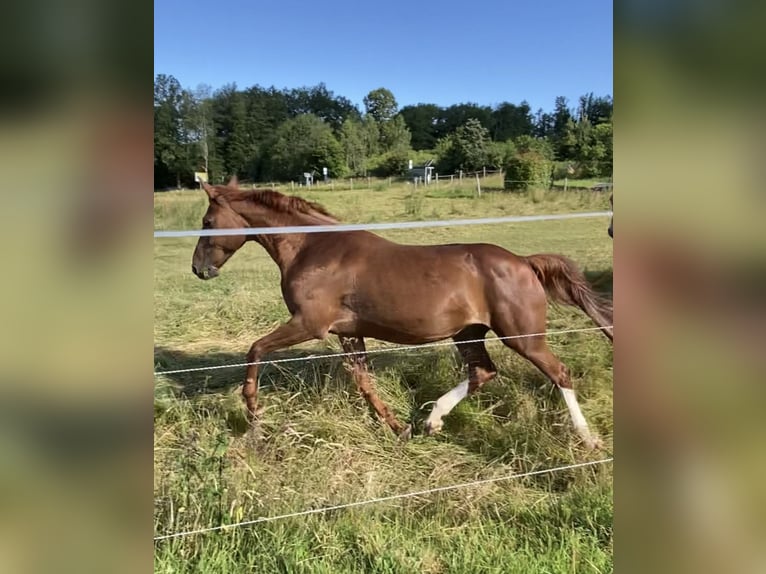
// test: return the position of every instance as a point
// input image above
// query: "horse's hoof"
(255, 414)
(594, 443)
(431, 428)
(406, 434)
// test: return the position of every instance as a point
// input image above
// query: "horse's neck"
(284, 248)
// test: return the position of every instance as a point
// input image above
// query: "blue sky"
(445, 52)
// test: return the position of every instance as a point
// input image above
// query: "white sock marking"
(447, 402)
(574, 410)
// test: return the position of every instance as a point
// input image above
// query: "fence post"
(368, 182)
(565, 184)
(292, 185)
(461, 176)
(484, 169)
(351, 179)
(478, 184)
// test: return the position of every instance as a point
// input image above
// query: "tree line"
(266, 134)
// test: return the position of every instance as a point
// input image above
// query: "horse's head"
(611, 221)
(213, 251)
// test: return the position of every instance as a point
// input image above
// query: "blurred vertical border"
(689, 283)
(76, 348)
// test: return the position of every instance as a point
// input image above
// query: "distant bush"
(528, 170)
(392, 163)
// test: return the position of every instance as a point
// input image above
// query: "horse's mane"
(287, 203)
(277, 201)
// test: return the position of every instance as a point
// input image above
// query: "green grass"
(318, 444)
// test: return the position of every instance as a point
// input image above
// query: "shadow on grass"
(425, 375)
(487, 423)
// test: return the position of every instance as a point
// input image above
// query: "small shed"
(423, 172)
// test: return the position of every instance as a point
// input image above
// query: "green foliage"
(499, 153)
(170, 153)
(467, 149)
(304, 144)
(394, 135)
(422, 121)
(458, 115)
(380, 104)
(596, 110)
(352, 140)
(392, 163)
(593, 148)
(321, 102)
(510, 121)
(231, 131)
(234, 139)
(524, 144)
(562, 122)
(528, 170)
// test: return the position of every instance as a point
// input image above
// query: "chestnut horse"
(610, 231)
(355, 284)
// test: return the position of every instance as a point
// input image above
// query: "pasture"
(319, 445)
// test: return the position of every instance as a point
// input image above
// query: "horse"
(357, 285)
(610, 231)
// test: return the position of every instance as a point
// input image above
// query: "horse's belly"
(414, 324)
(405, 336)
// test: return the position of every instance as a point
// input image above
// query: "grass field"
(318, 444)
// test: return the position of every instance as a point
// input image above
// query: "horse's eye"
(206, 224)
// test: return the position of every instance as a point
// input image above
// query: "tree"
(203, 122)
(304, 144)
(455, 116)
(528, 170)
(371, 135)
(352, 140)
(543, 124)
(561, 135)
(598, 110)
(322, 103)
(531, 166)
(234, 135)
(510, 121)
(381, 104)
(422, 121)
(593, 148)
(540, 146)
(394, 134)
(169, 152)
(467, 149)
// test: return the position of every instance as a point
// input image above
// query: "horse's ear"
(210, 190)
(233, 182)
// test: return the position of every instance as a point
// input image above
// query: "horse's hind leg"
(480, 370)
(358, 365)
(536, 350)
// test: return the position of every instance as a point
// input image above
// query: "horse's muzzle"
(205, 273)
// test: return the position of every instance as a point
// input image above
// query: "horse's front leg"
(357, 362)
(291, 333)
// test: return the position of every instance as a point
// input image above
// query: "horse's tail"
(565, 283)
